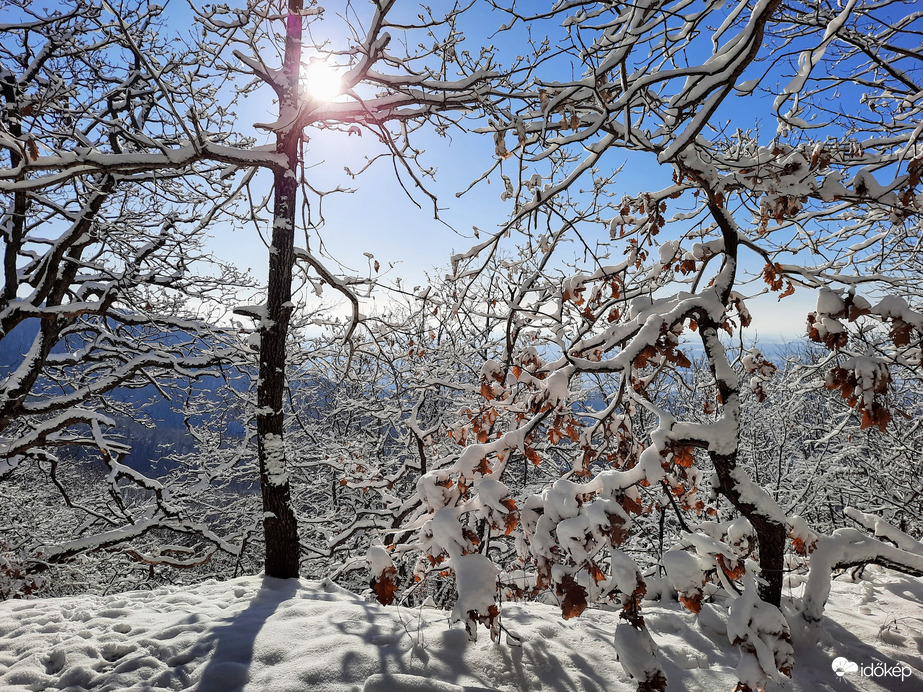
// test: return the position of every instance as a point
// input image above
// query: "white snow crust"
(259, 634)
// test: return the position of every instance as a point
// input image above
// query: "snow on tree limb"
(846, 548)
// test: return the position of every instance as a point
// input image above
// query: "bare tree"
(163, 120)
(388, 91)
(107, 278)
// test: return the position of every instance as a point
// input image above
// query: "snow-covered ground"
(271, 635)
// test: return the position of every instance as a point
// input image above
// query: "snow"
(446, 532)
(830, 303)
(66, 165)
(476, 579)
(378, 560)
(637, 652)
(274, 448)
(764, 633)
(847, 546)
(492, 493)
(883, 529)
(685, 571)
(257, 634)
(572, 537)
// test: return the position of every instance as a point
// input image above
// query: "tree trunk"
(770, 534)
(279, 523)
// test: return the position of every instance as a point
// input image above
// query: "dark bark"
(279, 523)
(770, 534)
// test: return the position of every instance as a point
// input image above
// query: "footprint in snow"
(113, 652)
(55, 662)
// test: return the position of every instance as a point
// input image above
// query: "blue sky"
(379, 218)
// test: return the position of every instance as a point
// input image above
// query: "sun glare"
(322, 81)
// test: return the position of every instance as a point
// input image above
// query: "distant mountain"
(165, 422)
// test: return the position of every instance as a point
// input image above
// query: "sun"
(322, 81)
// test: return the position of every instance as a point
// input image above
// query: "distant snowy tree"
(365, 424)
(806, 444)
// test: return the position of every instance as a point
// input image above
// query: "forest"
(560, 388)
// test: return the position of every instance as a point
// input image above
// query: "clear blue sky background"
(380, 219)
